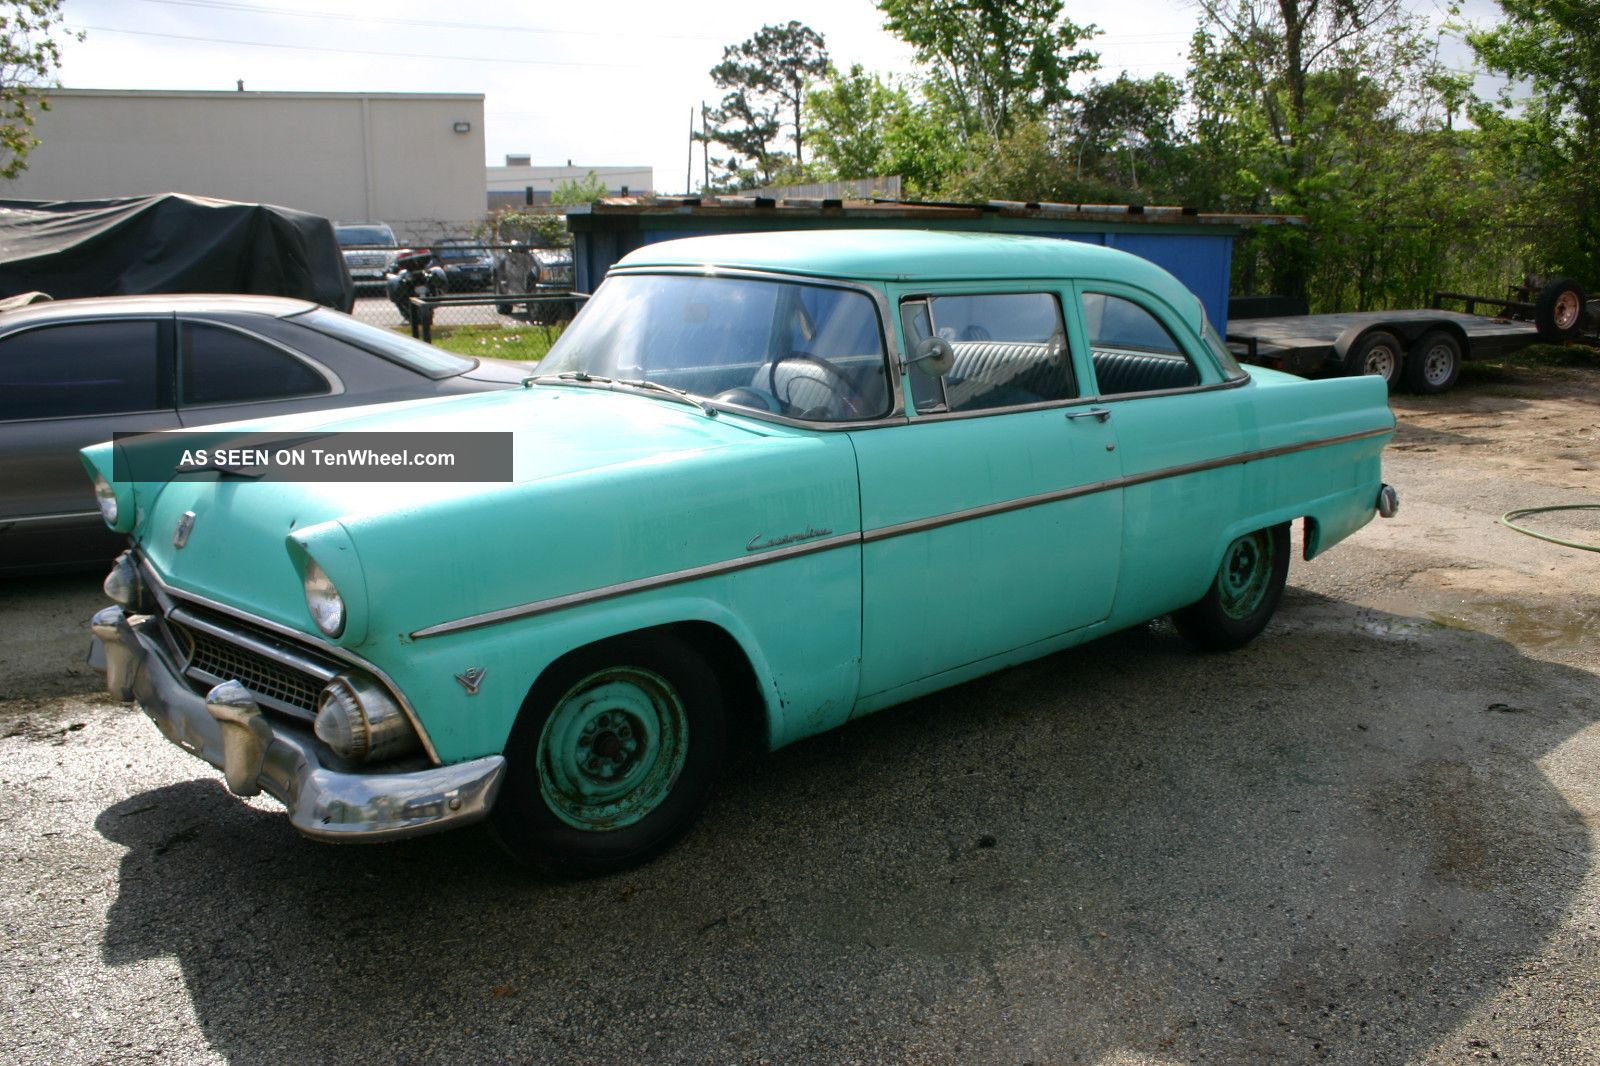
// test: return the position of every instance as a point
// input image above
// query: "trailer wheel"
(1558, 311)
(1376, 353)
(1434, 362)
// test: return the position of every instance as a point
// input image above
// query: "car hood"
(240, 545)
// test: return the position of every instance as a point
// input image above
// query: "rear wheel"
(1433, 363)
(1243, 594)
(1377, 353)
(612, 758)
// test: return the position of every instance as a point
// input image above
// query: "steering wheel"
(841, 387)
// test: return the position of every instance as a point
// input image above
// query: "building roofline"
(230, 94)
(757, 207)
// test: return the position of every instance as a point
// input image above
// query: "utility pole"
(688, 166)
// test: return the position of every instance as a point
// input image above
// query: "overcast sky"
(604, 83)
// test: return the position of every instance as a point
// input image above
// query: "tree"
(994, 62)
(865, 127)
(29, 55)
(1286, 93)
(766, 78)
(1119, 122)
(1552, 134)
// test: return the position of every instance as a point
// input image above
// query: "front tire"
(612, 758)
(1243, 595)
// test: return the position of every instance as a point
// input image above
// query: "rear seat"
(1121, 371)
(1004, 373)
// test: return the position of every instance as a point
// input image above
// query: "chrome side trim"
(60, 516)
(165, 594)
(643, 584)
(844, 540)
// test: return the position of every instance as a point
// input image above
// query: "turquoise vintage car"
(764, 484)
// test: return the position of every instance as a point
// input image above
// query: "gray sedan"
(74, 372)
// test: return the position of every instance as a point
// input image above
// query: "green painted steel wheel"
(1243, 595)
(613, 756)
(1246, 574)
(612, 749)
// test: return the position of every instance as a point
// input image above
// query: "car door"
(228, 372)
(991, 519)
(1178, 420)
(64, 386)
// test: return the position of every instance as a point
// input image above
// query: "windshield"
(357, 236)
(806, 351)
(453, 251)
(395, 347)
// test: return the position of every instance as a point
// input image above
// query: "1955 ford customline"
(764, 484)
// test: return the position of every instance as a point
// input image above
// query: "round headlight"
(106, 496)
(323, 600)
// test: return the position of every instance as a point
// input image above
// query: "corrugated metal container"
(1196, 247)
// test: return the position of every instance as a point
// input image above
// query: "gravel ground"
(1369, 837)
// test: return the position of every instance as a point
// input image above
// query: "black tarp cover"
(169, 243)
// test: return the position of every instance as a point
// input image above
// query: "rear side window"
(1132, 350)
(82, 368)
(220, 365)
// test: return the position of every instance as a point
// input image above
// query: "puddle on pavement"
(1525, 625)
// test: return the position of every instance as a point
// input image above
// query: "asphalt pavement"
(1367, 838)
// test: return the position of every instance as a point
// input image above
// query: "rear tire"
(612, 758)
(1558, 310)
(1434, 363)
(1377, 353)
(1243, 595)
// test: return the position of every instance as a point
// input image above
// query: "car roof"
(156, 304)
(911, 255)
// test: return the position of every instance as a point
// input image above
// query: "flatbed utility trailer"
(1424, 348)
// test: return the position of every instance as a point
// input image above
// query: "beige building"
(414, 160)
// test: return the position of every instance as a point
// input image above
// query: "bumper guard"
(258, 754)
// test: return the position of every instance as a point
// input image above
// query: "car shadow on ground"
(1333, 845)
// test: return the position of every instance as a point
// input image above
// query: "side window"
(223, 366)
(1010, 350)
(1132, 350)
(86, 368)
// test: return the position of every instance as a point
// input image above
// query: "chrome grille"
(275, 684)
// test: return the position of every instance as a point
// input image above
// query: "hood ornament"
(472, 679)
(180, 536)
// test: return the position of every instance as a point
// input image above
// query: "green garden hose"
(1506, 520)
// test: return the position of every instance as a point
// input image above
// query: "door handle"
(1100, 414)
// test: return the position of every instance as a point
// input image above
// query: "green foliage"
(1552, 135)
(29, 54)
(584, 190)
(865, 127)
(766, 78)
(542, 229)
(993, 62)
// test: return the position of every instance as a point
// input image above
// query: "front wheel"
(612, 758)
(1243, 595)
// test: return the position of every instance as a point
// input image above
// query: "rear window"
(396, 347)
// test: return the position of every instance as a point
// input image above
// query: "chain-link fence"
(505, 300)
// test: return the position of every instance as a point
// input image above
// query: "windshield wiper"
(584, 378)
(681, 395)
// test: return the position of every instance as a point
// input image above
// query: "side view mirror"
(933, 357)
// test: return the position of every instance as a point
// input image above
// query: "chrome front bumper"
(257, 753)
